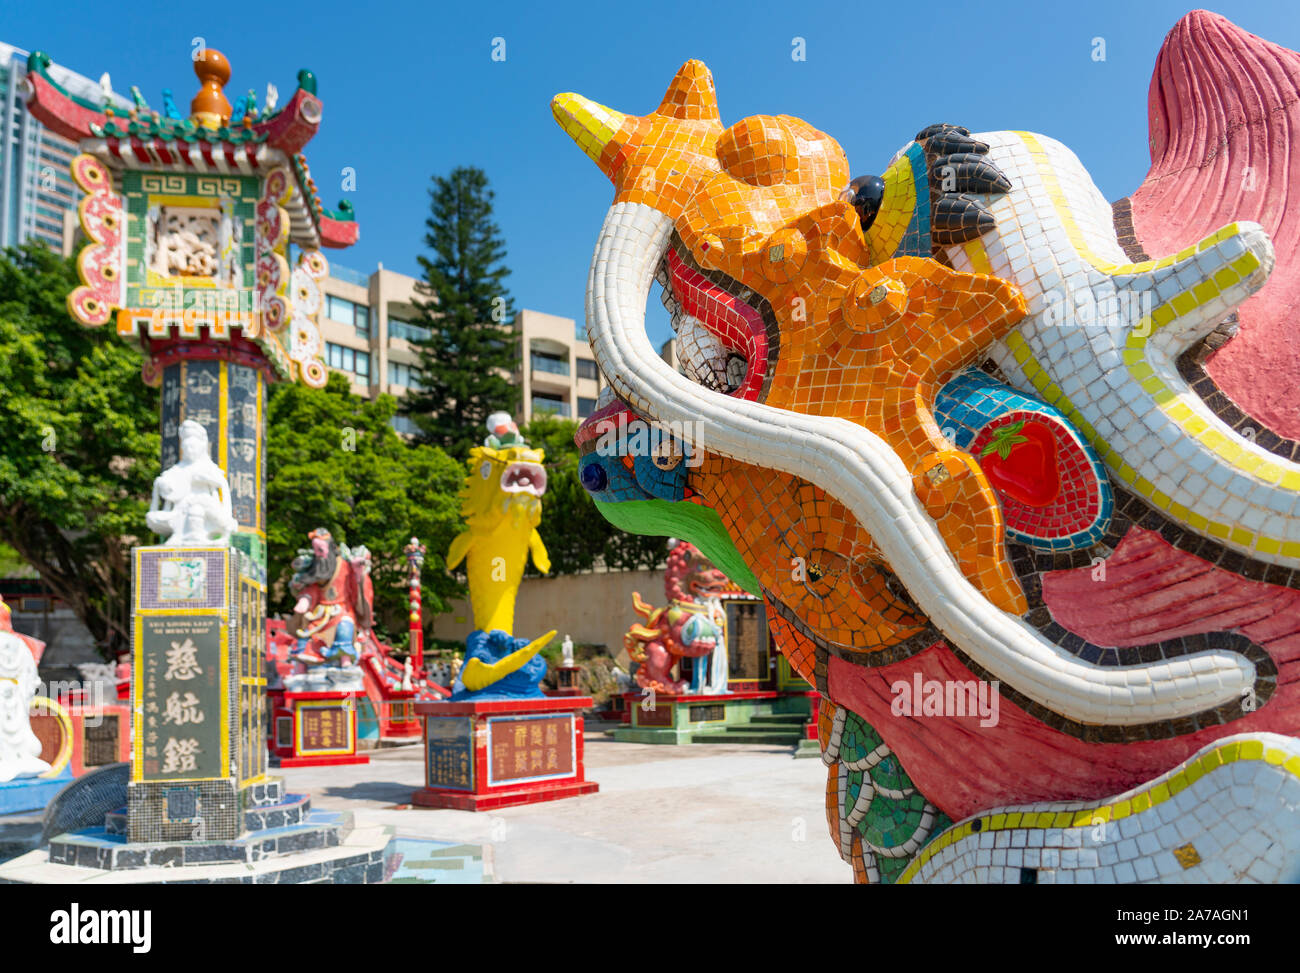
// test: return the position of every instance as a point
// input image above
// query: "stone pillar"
(228, 398)
(199, 617)
(198, 692)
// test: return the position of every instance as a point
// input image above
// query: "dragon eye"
(866, 194)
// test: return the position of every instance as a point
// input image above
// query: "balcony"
(407, 331)
(547, 363)
(560, 409)
(348, 275)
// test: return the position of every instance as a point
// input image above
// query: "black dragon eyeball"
(866, 194)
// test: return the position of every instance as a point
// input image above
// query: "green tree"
(576, 536)
(466, 361)
(336, 462)
(80, 446)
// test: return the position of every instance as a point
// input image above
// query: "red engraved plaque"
(324, 729)
(530, 748)
(661, 714)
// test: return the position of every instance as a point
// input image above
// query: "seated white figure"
(191, 500)
(20, 750)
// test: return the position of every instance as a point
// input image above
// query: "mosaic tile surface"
(961, 423)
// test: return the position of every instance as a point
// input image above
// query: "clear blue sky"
(410, 89)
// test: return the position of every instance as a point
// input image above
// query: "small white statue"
(191, 500)
(20, 750)
(566, 650)
(408, 672)
(719, 672)
(625, 683)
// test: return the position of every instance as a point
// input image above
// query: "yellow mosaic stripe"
(979, 259)
(887, 230)
(1166, 399)
(1089, 817)
(1062, 206)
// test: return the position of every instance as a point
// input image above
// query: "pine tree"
(466, 361)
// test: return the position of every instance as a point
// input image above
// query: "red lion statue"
(691, 626)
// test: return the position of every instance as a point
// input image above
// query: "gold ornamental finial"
(210, 107)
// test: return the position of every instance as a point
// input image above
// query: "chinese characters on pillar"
(181, 705)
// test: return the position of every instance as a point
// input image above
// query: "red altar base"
(316, 729)
(398, 721)
(567, 682)
(485, 755)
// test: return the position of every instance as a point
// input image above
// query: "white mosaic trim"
(1242, 819)
(1032, 248)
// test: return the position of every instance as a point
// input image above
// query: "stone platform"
(284, 841)
(768, 717)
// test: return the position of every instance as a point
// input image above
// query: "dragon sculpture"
(692, 625)
(967, 427)
(501, 503)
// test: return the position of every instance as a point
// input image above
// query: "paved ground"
(697, 813)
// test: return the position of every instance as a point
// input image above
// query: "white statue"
(566, 650)
(20, 750)
(408, 671)
(719, 671)
(625, 683)
(191, 500)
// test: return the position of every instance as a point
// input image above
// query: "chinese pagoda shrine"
(189, 221)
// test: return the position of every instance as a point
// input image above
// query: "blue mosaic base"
(491, 647)
(31, 793)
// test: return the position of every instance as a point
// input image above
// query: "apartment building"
(38, 199)
(668, 352)
(368, 326)
(557, 372)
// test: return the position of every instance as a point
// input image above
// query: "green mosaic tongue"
(689, 521)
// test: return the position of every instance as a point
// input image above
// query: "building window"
(346, 359)
(551, 404)
(346, 312)
(337, 309)
(407, 331)
(585, 407)
(404, 425)
(556, 365)
(404, 375)
(587, 369)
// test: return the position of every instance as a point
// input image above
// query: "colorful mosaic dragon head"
(957, 426)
